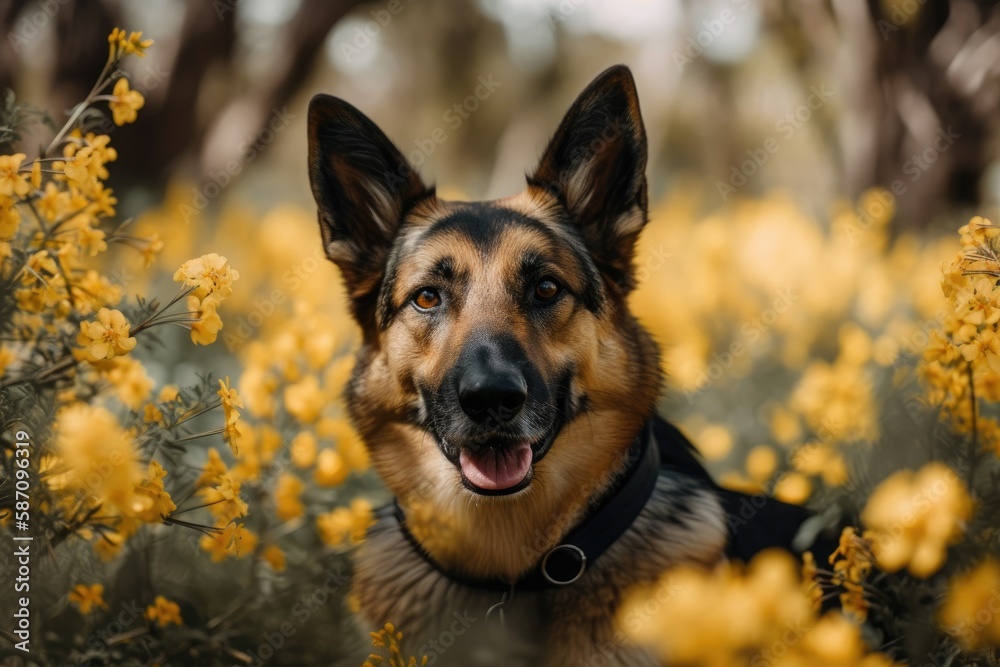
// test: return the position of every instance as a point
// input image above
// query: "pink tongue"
(495, 470)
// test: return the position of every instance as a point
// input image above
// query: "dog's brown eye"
(546, 290)
(427, 298)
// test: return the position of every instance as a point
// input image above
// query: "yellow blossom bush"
(732, 617)
(971, 611)
(913, 517)
(107, 474)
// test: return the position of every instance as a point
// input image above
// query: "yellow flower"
(163, 612)
(83, 170)
(153, 501)
(732, 617)
(108, 545)
(125, 103)
(389, 638)
(852, 562)
(124, 46)
(223, 499)
(137, 45)
(346, 523)
(234, 540)
(12, 183)
(975, 307)
(286, 497)
(715, 442)
(153, 246)
(836, 400)
(102, 201)
(822, 459)
(93, 291)
(209, 274)
(216, 546)
(349, 443)
(979, 231)
(970, 612)
(793, 488)
(305, 400)
(213, 471)
(36, 175)
(54, 202)
(40, 298)
(100, 145)
(718, 617)
(230, 402)
(810, 579)
(834, 641)
(38, 268)
(785, 426)
(259, 387)
(130, 381)
(274, 556)
(98, 455)
(242, 541)
(913, 517)
(151, 414)
(7, 359)
(87, 597)
(303, 448)
(205, 330)
(106, 337)
(168, 393)
(330, 468)
(761, 463)
(337, 374)
(10, 219)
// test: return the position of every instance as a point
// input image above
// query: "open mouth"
(503, 468)
(496, 469)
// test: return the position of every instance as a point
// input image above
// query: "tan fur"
(479, 535)
(565, 627)
(503, 537)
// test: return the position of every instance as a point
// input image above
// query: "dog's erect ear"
(363, 187)
(596, 165)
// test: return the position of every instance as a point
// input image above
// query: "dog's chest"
(575, 625)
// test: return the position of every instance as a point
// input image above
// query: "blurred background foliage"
(809, 164)
(715, 78)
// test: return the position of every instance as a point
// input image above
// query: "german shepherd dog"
(507, 397)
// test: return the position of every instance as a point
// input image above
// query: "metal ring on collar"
(572, 548)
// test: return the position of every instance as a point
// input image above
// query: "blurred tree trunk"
(10, 11)
(923, 101)
(180, 115)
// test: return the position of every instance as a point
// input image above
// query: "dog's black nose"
(487, 394)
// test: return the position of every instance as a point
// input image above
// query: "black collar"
(609, 520)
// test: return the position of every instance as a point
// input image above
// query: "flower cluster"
(210, 279)
(107, 469)
(388, 639)
(912, 518)
(962, 361)
(971, 612)
(731, 616)
(838, 320)
(852, 562)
